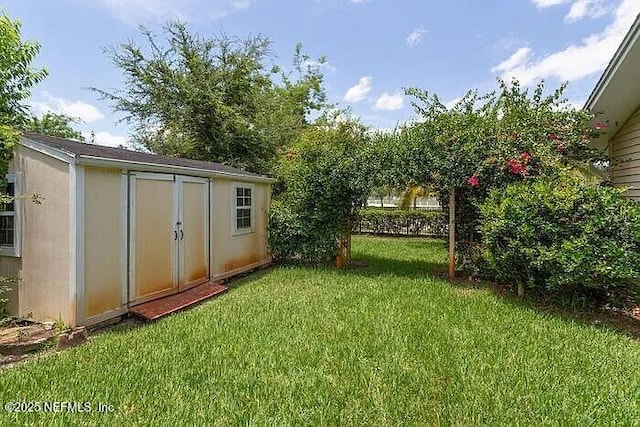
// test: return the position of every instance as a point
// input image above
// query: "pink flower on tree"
(519, 167)
(601, 126)
(526, 157)
(515, 166)
(473, 180)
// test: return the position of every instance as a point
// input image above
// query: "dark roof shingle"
(78, 149)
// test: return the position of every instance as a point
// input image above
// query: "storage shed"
(616, 98)
(116, 228)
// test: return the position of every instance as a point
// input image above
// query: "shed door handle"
(175, 235)
(181, 235)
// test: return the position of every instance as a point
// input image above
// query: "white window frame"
(13, 250)
(234, 208)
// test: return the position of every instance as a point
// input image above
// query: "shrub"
(415, 222)
(324, 182)
(294, 238)
(563, 238)
(4, 288)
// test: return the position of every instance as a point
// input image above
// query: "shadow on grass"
(365, 265)
(606, 319)
(376, 266)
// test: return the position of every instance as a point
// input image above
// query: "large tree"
(16, 79)
(216, 99)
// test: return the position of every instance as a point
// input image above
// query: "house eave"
(618, 58)
(615, 96)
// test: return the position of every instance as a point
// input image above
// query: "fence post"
(452, 234)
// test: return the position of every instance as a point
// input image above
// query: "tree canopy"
(52, 124)
(487, 140)
(216, 99)
(483, 143)
(16, 79)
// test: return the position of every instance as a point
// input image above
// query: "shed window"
(7, 216)
(243, 208)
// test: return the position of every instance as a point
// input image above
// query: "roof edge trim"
(56, 153)
(131, 165)
(621, 53)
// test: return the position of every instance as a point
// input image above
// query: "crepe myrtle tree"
(486, 142)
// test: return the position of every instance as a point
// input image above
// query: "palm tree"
(409, 197)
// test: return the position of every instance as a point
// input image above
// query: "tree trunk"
(452, 234)
(348, 242)
(520, 290)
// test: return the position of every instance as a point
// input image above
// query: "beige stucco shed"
(616, 100)
(116, 228)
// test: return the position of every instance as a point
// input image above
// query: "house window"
(243, 204)
(8, 216)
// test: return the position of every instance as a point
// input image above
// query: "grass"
(387, 344)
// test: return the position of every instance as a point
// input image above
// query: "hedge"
(401, 222)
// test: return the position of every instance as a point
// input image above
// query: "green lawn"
(387, 344)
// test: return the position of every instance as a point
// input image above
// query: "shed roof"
(85, 151)
(617, 94)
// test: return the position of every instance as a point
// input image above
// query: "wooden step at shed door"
(153, 237)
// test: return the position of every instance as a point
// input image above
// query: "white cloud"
(313, 64)
(360, 91)
(580, 9)
(108, 139)
(415, 37)
(574, 104)
(517, 58)
(133, 11)
(548, 3)
(576, 61)
(389, 102)
(85, 112)
(585, 8)
(452, 103)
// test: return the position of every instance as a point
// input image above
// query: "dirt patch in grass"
(21, 338)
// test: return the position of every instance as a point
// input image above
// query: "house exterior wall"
(44, 285)
(103, 248)
(232, 254)
(625, 157)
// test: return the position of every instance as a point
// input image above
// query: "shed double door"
(169, 239)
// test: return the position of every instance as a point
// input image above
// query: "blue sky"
(374, 48)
